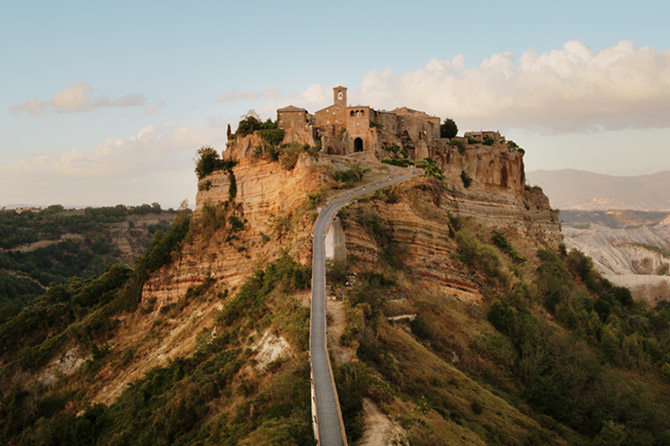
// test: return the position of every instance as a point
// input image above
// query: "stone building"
(343, 129)
(481, 135)
(297, 124)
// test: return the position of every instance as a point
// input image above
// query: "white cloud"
(77, 98)
(153, 165)
(572, 89)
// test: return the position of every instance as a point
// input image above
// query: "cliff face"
(269, 201)
(498, 167)
(419, 218)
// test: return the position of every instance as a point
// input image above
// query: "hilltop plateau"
(455, 315)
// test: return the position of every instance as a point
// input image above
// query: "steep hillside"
(467, 332)
(453, 319)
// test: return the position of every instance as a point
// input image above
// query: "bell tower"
(340, 96)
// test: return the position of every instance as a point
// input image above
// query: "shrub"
(475, 254)
(232, 187)
(488, 141)
(340, 137)
(431, 168)
(350, 176)
(272, 136)
(209, 161)
(402, 162)
(289, 153)
(248, 125)
(466, 179)
(459, 144)
(500, 240)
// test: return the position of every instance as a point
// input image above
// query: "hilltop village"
(401, 137)
(343, 129)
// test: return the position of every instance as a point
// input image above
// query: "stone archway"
(358, 145)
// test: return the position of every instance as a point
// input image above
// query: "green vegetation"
(204, 398)
(499, 239)
(249, 124)
(232, 186)
(466, 179)
(512, 145)
(555, 354)
(488, 141)
(163, 247)
(448, 129)
(431, 168)
(346, 178)
(74, 243)
(208, 161)
(81, 308)
(376, 124)
(392, 254)
(286, 154)
(402, 162)
(340, 136)
(459, 144)
(272, 136)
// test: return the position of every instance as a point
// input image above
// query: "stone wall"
(297, 126)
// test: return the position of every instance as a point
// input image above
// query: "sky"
(103, 103)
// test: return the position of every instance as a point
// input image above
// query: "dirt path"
(378, 430)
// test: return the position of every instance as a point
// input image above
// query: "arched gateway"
(358, 145)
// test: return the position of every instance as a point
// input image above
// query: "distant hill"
(578, 189)
(50, 246)
(630, 248)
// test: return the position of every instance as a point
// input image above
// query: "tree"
(229, 133)
(248, 125)
(207, 162)
(449, 129)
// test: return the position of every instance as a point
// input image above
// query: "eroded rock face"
(626, 256)
(267, 201)
(419, 222)
(497, 167)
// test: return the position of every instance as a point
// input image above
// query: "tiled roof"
(291, 108)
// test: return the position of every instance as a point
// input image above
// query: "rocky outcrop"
(268, 200)
(243, 147)
(497, 168)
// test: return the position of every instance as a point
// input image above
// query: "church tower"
(340, 96)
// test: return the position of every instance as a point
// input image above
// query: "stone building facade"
(481, 135)
(344, 129)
